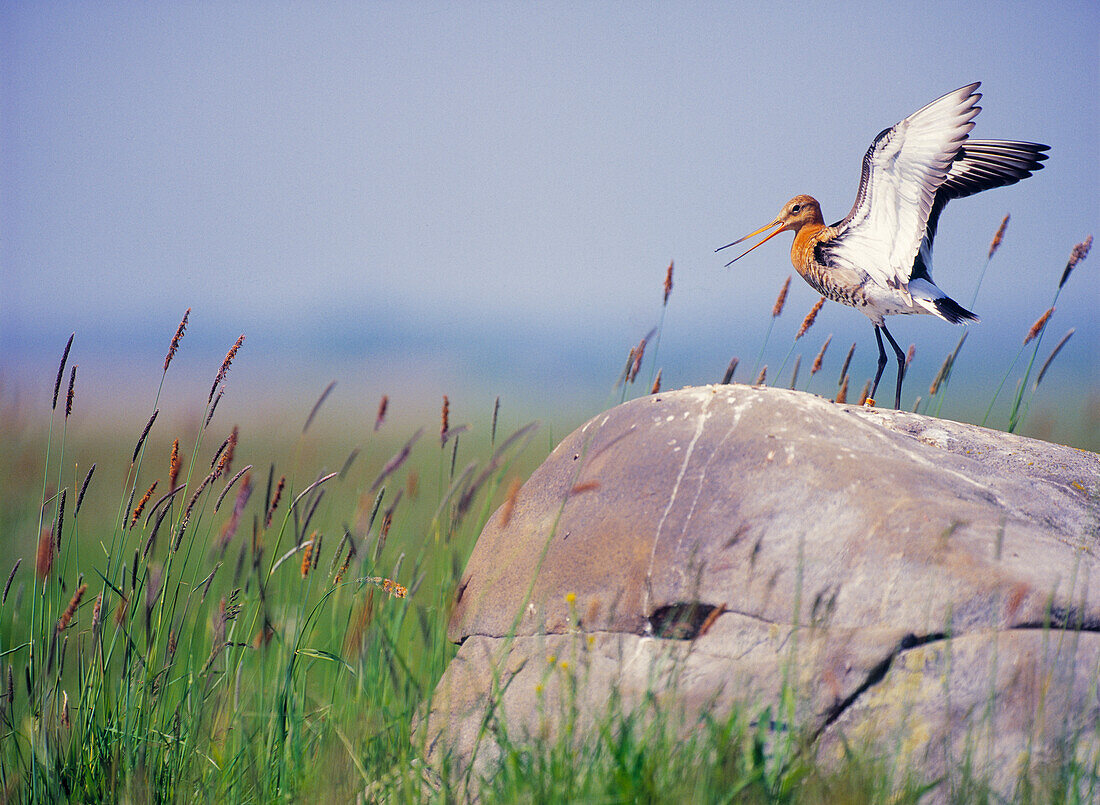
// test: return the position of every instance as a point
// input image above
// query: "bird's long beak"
(776, 222)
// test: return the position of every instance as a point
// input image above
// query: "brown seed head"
(344, 567)
(120, 610)
(1038, 326)
(668, 282)
(816, 367)
(842, 394)
(945, 367)
(224, 370)
(307, 555)
(847, 361)
(863, 395)
(444, 420)
(1079, 253)
(174, 465)
(226, 462)
(176, 339)
(639, 353)
(997, 238)
(141, 503)
(808, 322)
(97, 613)
(275, 501)
(909, 355)
(67, 616)
(43, 562)
(762, 378)
(781, 300)
(382, 406)
(656, 383)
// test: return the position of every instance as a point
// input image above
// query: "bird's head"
(796, 213)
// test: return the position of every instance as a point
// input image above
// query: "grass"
(203, 612)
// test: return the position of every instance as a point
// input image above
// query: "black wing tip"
(952, 311)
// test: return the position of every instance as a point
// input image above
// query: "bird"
(878, 259)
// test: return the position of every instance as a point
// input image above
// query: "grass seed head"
(668, 282)
(794, 372)
(67, 616)
(730, 369)
(224, 370)
(997, 238)
(383, 404)
(97, 613)
(909, 355)
(781, 300)
(808, 322)
(43, 561)
(656, 383)
(847, 361)
(842, 394)
(69, 396)
(60, 526)
(175, 345)
(225, 464)
(1079, 253)
(83, 489)
(275, 501)
(141, 503)
(1038, 326)
(61, 369)
(144, 434)
(865, 393)
(639, 353)
(11, 577)
(1053, 355)
(444, 420)
(816, 367)
(307, 555)
(945, 367)
(174, 465)
(762, 378)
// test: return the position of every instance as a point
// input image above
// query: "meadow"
(206, 612)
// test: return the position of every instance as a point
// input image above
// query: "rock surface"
(918, 581)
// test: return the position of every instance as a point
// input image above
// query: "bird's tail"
(936, 302)
(950, 310)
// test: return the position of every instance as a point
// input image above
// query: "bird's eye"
(796, 208)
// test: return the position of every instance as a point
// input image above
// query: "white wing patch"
(902, 170)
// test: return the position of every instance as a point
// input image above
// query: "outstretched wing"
(903, 171)
(979, 165)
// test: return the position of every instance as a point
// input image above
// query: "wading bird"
(879, 258)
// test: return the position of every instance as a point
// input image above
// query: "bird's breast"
(837, 283)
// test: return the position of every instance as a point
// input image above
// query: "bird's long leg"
(881, 358)
(901, 362)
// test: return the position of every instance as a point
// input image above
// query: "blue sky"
(413, 193)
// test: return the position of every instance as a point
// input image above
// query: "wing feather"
(902, 172)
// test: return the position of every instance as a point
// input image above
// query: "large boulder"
(920, 583)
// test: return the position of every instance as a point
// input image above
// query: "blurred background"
(481, 199)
